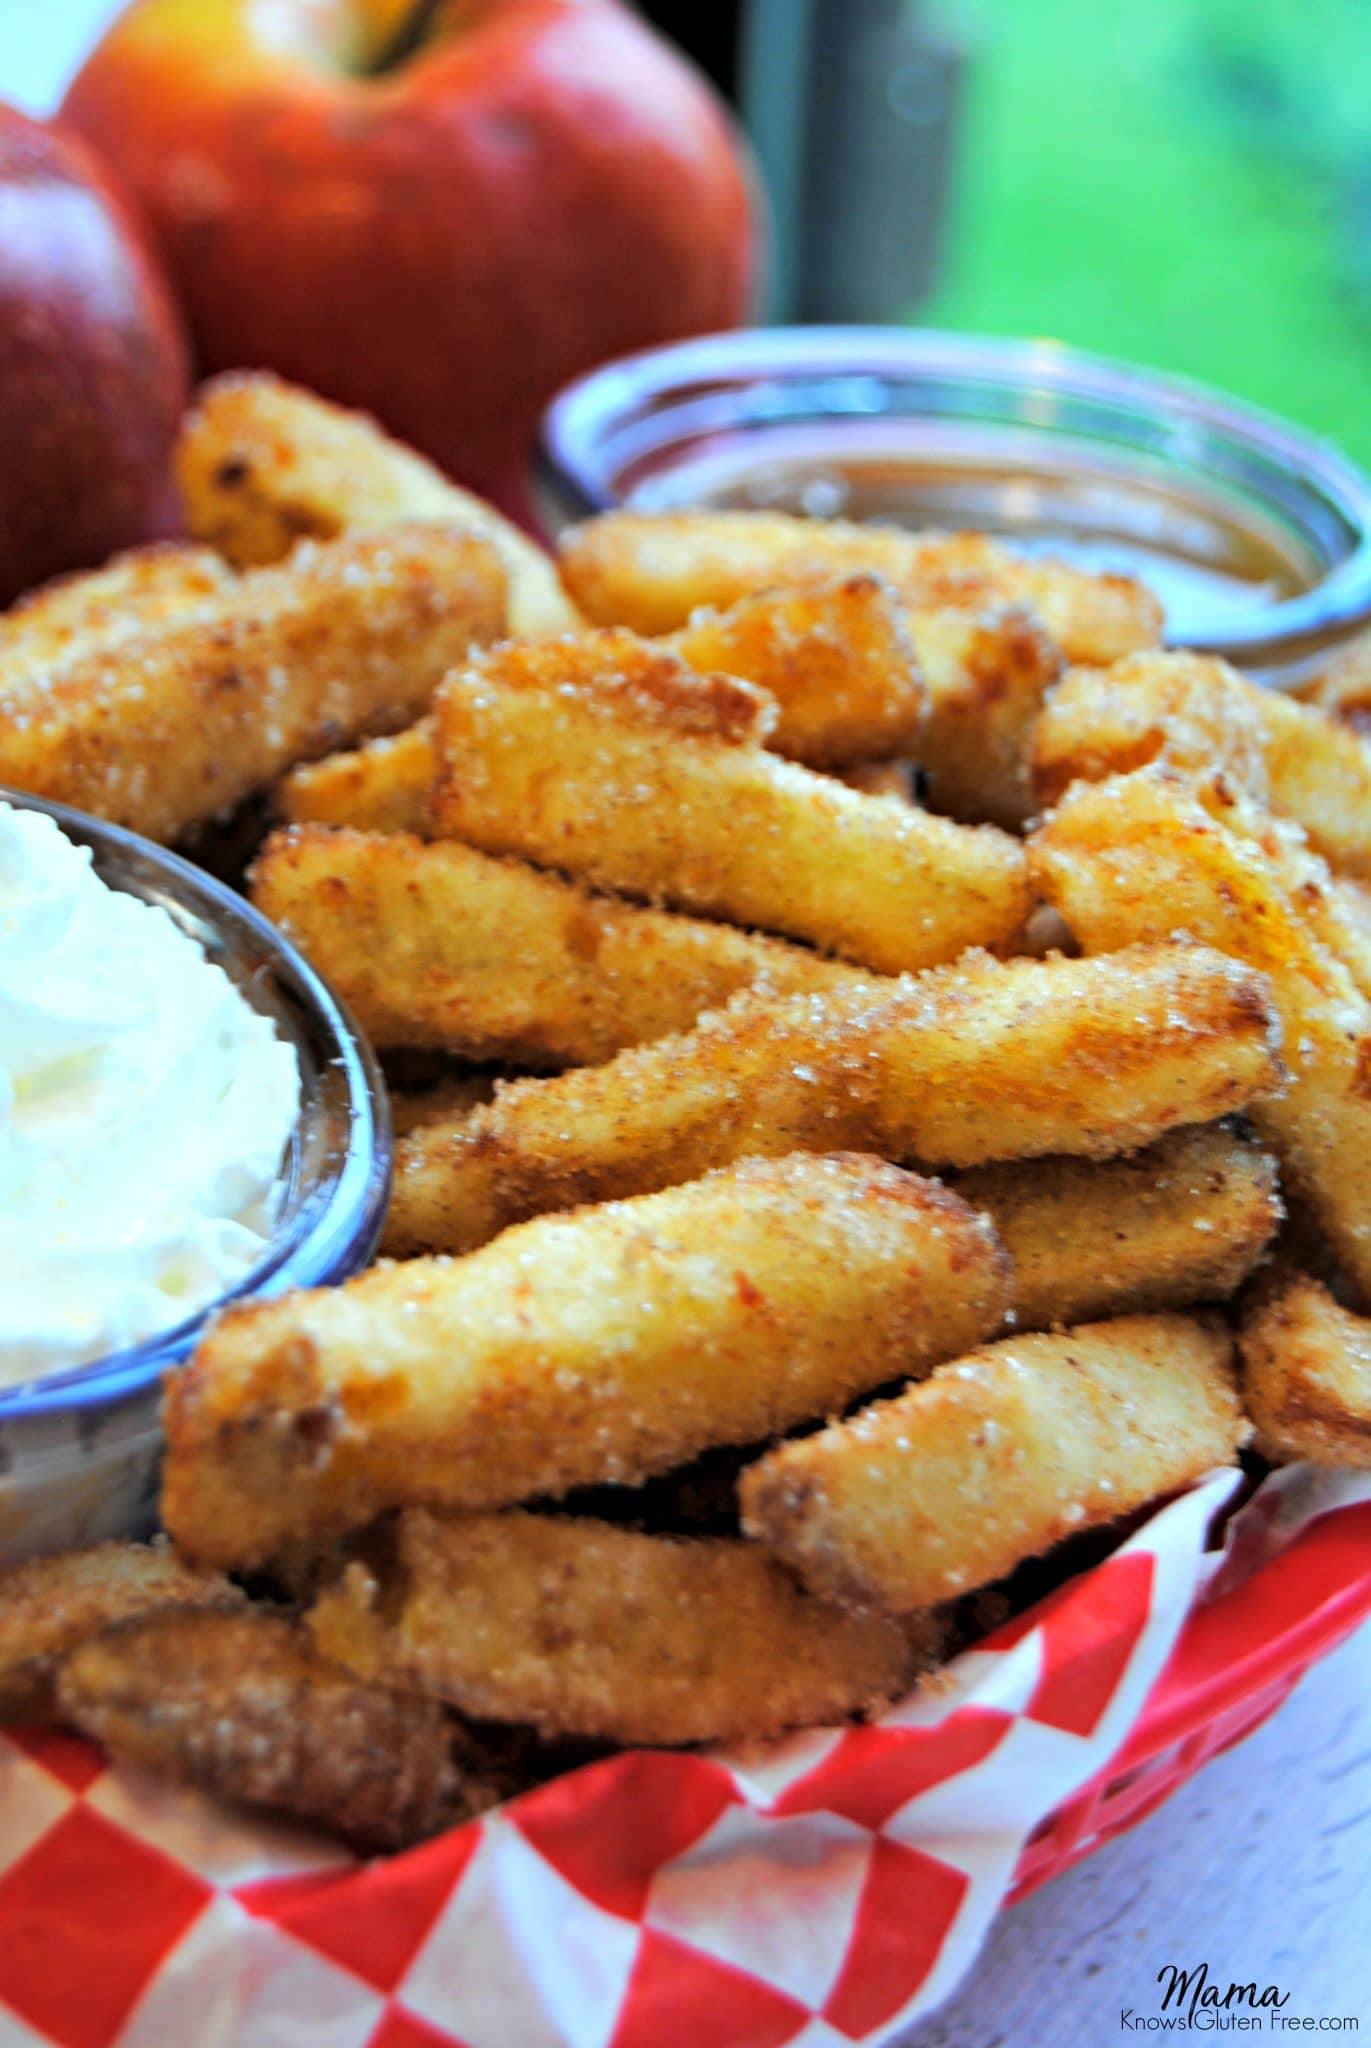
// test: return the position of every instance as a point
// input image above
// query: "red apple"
(437, 212)
(93, 368)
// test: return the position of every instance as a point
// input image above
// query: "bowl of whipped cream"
(188, 1117)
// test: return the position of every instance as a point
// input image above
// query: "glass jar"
(1256, 536)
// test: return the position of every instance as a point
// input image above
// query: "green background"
(1185, 183)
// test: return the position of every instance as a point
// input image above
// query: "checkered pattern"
(823, 1892)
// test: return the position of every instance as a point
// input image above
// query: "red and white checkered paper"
(823, 1892)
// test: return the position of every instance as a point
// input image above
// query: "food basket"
(1238, 1658)
(831, 1890)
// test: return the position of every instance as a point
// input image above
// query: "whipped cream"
(144, 1112)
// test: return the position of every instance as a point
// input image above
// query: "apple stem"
(410, 37)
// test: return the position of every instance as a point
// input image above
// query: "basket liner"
(830, 1889)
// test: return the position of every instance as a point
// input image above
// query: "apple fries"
(1306, 1373)
(860, 678)
(174, 725)
(1182, 1221)
(604, 1346)
(1345, 690)
(1200, 715)
(50, 1604)
(650, 571)
(981, 1061)
(240, 1705)
(996, 1457)
(262, 464)
(383, 786)
(441, 946)
(964, 698)
(838, 658)
(1146, 855)
(136, 589)
(609, 759)
(579, 1627)
(988, 673)
(1344, 925)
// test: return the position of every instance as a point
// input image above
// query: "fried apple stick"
(1197, 715)
(580, 1627)
(262, 464)
(985, 1060)
(1146, 855)
(839, 659)
(103, 605)
(997, 1457)
(984, 675)
(988, 673)
(50, 1604)
(608, 759)
(1182, 1221)
(441, 946)
(240, 1705)
(383, 786)
(177, 723)
(1306, 1374)
(650, 571)
(1345, 689)
(604, 1346)
(1345, 926)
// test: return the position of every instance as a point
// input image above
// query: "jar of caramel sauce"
(1255, 535)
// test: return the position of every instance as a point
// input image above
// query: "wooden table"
(1260, 1866)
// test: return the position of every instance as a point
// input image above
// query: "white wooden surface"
(1260, 1866)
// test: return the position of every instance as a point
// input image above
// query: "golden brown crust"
(1146, 855)
(262, 464)
(1320, 775)
(380, 787)
(996, 1457)
(1344, 910)
(962, 690)
(1193, 712)
(650, 571)
(584, 1628)
(1307, 1374)
(100, 606)
(1345, 690)
(1182, 1221)
(988, 673)
(50, 1604)
(441, 946)
(630, 681)
(603, 1346)
(240, 1705)
(837, 657)
(182, 720)
(984, 1060)
(1197, 716)
(605, 759)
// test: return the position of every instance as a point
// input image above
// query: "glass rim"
(572, 465)
(356, 1196)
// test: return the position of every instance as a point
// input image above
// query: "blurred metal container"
(851, 106)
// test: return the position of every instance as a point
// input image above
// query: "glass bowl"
(1256, 537)
(79, 1450)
